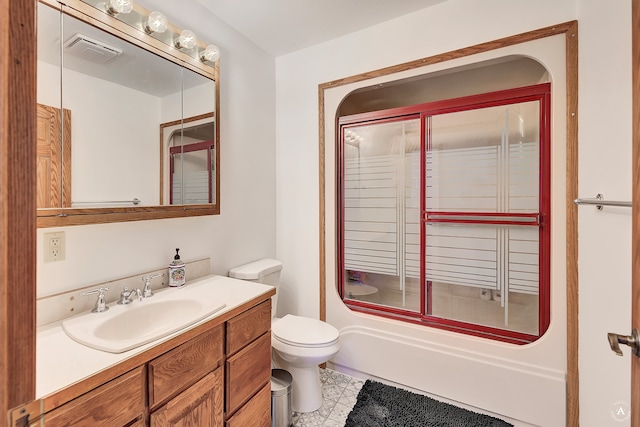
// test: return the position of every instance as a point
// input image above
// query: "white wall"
(245, 229)
(604, 243)
(102, 131)
(604, 93)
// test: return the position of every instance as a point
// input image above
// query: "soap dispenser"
(177, 273)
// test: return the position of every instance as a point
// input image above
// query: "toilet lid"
(304, 331)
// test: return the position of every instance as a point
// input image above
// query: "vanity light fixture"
(156, 23)
(115, 7)
(211, 53)
(186, 40)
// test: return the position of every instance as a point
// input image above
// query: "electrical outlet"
(54, 247)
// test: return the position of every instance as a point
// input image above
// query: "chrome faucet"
(125, 295)
(101, 304)
(146, 292)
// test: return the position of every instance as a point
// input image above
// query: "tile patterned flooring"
(339, 392)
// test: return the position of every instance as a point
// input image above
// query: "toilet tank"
(265, 271)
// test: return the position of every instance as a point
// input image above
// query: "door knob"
(632, 341)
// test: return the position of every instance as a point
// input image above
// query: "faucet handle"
(146, 293)
(152, 276)
(101, 304)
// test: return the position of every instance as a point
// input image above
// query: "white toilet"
(299, 344)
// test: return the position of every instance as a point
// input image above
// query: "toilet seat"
(304, 332)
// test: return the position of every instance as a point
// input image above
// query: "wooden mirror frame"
(59, 217)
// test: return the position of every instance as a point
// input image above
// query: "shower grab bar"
(135, 201)
(601, 203)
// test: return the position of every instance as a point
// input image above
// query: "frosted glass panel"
(382, 214)
(484, 274)
(485, 160)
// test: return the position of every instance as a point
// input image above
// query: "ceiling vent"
(91, 49)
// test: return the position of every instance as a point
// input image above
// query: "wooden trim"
(66, 158)
(108, 215)
(460, 53)
(573, 401)
(322, 207)
(17, 203)
(187, 120)
(570, 30)
(635, 210)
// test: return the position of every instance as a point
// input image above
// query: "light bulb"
(156, 23)
(115, 7)
(211, 53)
(186, 40)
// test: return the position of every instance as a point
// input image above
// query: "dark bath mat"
(381, 405)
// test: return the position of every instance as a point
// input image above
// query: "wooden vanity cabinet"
(118, 402)
(247, 372)
(191, 377)
(216, 375)
(246, 327)
(200, 405)
(178, 369)
(248, 368)
(256, 412)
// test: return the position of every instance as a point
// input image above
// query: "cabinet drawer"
(248, 326)
(247, 371)
(199, 405)
(256, 412)
(116, 403)
(177, 369)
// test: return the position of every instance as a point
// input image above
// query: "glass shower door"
(382, 214)
(482, 216)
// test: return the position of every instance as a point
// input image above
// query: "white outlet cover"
(54, 246)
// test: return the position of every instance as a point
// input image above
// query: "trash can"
(280, 398)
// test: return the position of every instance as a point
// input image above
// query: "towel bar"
(135, 201)
(600, 202)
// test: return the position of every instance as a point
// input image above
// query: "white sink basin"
(124, 327)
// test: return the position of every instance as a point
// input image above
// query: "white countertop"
(61, 361)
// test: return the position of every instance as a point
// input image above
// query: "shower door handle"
(632, 341)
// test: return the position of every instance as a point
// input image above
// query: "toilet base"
(306, 388)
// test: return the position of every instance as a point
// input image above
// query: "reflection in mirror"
(53, 174)
(190, 162)
(116, 93)
(101, 102)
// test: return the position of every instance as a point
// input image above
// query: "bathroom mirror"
(107, 94)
